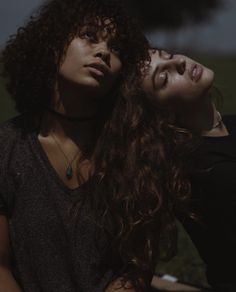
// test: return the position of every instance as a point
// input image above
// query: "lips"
(196, 72)
(97, 69)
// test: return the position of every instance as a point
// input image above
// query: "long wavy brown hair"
(138, 167)
(140, 159)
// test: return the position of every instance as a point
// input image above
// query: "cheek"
(116, 66)
(72, 70)
(116, 69)
(207, 79)
(176, 94)
(72, 60)
(67, 66)
(184, 89)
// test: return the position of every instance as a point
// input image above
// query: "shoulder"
(13, 127)
(11, 132)
(8, 126)
(12, 151)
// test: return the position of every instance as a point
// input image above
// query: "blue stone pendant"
(69, 172)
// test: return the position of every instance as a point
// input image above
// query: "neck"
(84, 134)
(74, 102)
(205, 120)
(73, 115)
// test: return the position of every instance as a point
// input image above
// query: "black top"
(56, 246)
(214, 201)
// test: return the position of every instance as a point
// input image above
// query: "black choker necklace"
(68, 118)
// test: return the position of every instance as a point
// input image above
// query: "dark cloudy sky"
(13, 13)
(218, 35)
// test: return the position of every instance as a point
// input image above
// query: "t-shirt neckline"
(52, 171)
(221, 138)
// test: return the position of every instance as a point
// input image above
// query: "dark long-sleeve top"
(214, 203)
(55, 246)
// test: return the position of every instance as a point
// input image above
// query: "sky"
(218, 35)
(13, 13)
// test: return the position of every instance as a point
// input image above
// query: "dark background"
(202, 29)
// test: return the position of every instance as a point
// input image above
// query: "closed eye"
(164, 76)
(166, 73)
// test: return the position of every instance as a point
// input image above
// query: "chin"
(208, 78)
(86, 83)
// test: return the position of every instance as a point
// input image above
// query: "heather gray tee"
(57, 246)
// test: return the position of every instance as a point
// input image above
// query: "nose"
(103, 53)
(179, 64)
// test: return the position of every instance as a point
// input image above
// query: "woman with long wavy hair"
(203, 146)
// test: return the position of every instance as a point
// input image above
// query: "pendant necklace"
(219, 121)
(69, 169)
(216, 125)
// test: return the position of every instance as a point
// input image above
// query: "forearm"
(7, 281)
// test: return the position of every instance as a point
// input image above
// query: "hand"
(117, 286)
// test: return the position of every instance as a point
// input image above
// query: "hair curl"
(140, 186)
(145, 174)
(32, 57)
(146, 171)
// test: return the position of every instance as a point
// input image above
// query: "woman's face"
(176, 80)
(92, 61)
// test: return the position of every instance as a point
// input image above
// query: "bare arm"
(7, 281)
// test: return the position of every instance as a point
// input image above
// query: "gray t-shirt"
(56, 243)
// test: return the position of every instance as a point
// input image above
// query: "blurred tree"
(171, 14)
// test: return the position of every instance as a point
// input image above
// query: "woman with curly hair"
(77, 206)
(182, 89)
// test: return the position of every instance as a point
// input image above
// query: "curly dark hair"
(32, 57)
(140, 185)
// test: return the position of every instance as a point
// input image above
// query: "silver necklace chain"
(218, 123)
(69, 169)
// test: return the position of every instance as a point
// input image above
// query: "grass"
(6, 104)
(187, 265)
